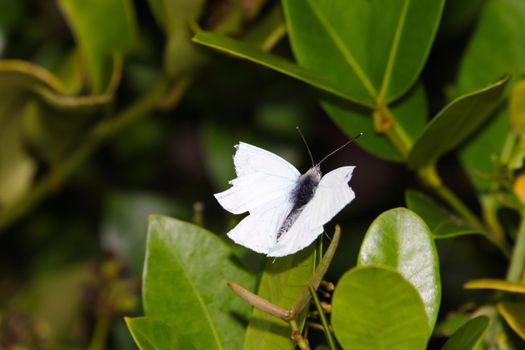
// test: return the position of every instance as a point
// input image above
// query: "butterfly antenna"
(306, 144)
(341, 147)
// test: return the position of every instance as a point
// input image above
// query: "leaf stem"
(303, 299)
(429, 176)
(94, 139)
(517, 261)
(324, 322)
(385, 123)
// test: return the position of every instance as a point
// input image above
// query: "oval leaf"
(282, 282)
(376, 308)
(374, 48)
(398, 238)
(469, 336)
(454, 124)
(184, 284)
(151, 334)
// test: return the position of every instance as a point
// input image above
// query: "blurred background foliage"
(108, 113)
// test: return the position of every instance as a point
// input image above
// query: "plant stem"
(297, 337)
(385, 123)
(517, 261)
(326, 327)
(430, 177)
(100, 133)
(100, 334)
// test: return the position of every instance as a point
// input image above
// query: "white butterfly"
(287, 209)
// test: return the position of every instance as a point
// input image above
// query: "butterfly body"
(287, 210)
(300, 196)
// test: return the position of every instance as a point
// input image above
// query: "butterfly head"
(314, 173)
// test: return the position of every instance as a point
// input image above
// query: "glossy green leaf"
(174, 16)
(496, 47)
(398, 238)
(151, 334)
(282, 281)
(184, 284)
(454, 124)
(514, 314)
(374, 49)
(441, 222)
(410, 112)
(252, 53)
(469, 336)
(102, 28)
(376, 308)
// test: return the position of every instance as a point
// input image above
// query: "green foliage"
(401, 240)
(376, 308)
(81, 169)
(176, 287)
(469, 336)
(454, 124)
(281, 282)
(442, 223)
(156, 335)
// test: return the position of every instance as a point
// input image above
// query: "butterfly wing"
(262, 177)
(262, 188)
(258, 231)
(332, 195)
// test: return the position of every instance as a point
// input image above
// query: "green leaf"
(497, 46)
(458, 120)
(375, 49)
(184, 284)
(174, 16)
(150, 334)
(398, 238)
(469, 336)
(376, 308)
(441, 222)
(102, 28)
(282, 281)
(410, 112)
(514, 314)
(254, 54)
